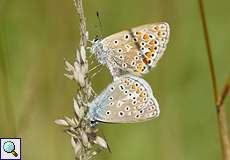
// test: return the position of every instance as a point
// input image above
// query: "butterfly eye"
(95, 40)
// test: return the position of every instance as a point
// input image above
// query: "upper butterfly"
(133, 51)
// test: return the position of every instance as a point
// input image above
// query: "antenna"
(100, 25)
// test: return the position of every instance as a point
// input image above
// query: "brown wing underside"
(139, 49)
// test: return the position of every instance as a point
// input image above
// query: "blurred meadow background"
(36, 36)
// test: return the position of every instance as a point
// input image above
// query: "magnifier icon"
(9, 147)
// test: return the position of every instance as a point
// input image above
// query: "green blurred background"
(35, 37)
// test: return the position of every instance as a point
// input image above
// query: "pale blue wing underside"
(128, 99)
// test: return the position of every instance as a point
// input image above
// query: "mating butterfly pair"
(129, 54)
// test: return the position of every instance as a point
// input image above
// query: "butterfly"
(133, 51)
(128, 99)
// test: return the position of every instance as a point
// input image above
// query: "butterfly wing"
(129, 99)
(137, 50)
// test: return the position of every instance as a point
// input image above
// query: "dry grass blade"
(224, 93)
(84, 139)
(222, 122)
(209, 50)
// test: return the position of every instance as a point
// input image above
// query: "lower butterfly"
(128, 99)
(133, 51)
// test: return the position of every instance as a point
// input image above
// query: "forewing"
(139, 49)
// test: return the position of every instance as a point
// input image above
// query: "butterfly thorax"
(100, 50)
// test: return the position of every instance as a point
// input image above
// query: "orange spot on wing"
(138, 71)
(145, 60)
(143, 94)
(156, 27)
(137, 90)
(146, 37)
(138, 33)
(139, 67)
(134, 86)
(147, 46)
(143, 99)
(149, 54)
(152, 49)
(152, 42)
(127, 82)
(159, 34)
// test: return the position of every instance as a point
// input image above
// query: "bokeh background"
(35, 37)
